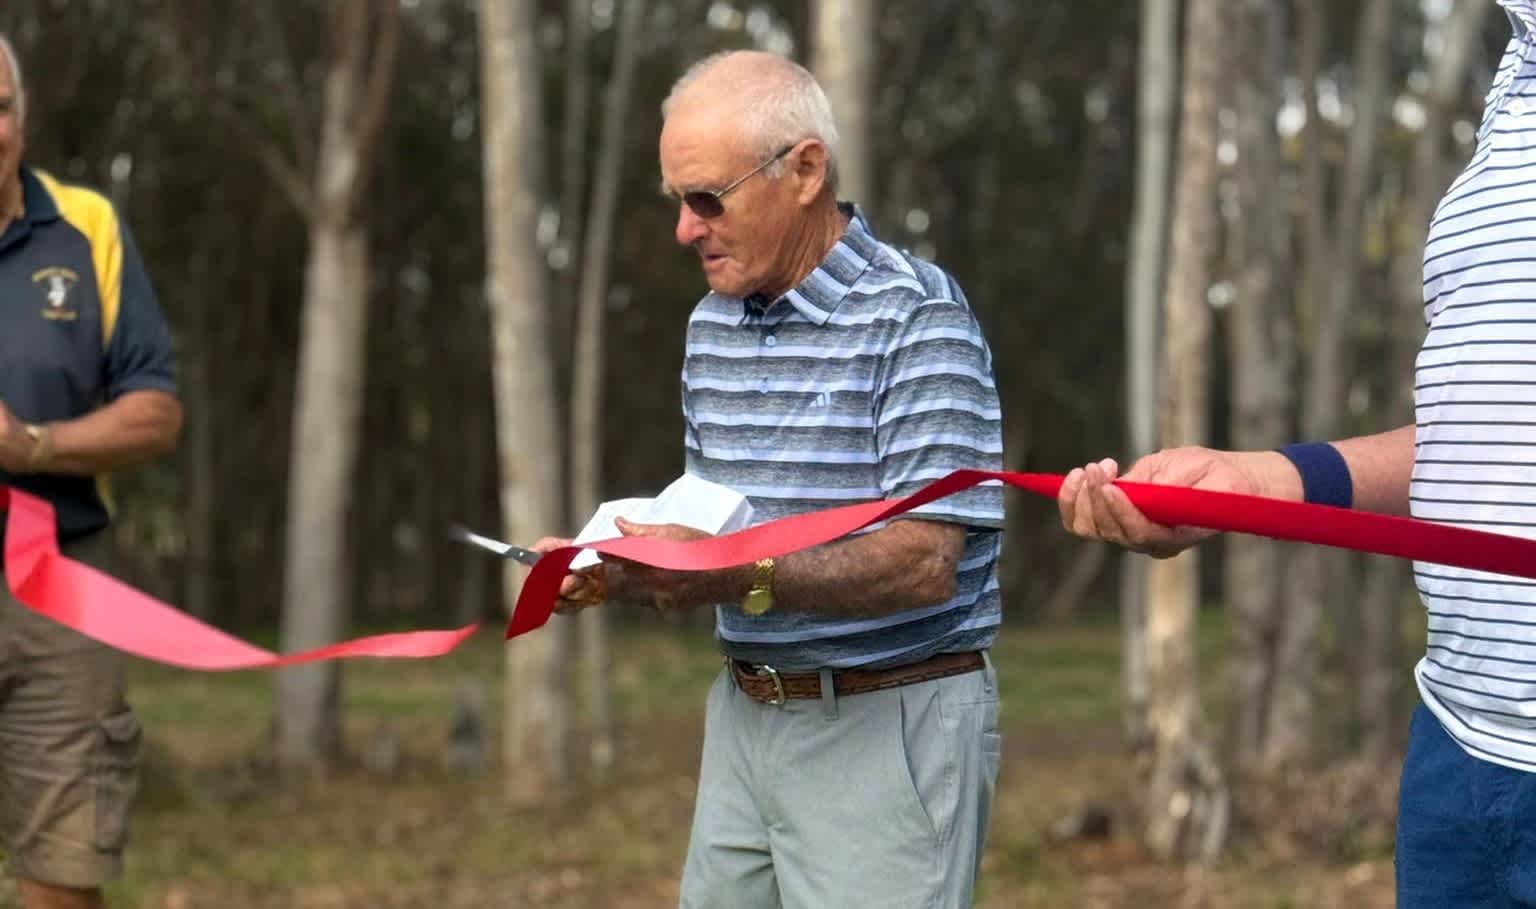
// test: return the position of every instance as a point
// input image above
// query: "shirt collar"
(37, 207)
(1522, 16)
(36, 198)
(819, 294)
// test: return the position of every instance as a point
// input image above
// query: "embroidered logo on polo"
(55, 284)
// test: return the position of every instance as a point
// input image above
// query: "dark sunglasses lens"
(705, 205)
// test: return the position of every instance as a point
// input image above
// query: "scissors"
(505, 550)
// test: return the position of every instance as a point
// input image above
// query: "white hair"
(9, 53)
(779, 101)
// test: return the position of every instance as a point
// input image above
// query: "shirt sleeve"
(140, 355)
(937, 410)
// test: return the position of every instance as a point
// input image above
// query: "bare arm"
(1380, 468)
(905, 565)
(137, 427)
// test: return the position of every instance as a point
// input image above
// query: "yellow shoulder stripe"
(92, 214)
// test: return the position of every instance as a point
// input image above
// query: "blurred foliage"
(1005, 142)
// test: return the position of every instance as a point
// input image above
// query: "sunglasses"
(706, 202)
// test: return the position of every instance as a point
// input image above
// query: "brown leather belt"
(770, 686)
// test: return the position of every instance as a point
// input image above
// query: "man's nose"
(690, 227)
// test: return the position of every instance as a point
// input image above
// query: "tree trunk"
(1262, 354)
(573, 186)
(328, 394)
(1187, 805)
(1389, 582)
(586, 431)
(472, 575)
(845, 70)
(522, 372)
(1320, 575)
(1330, 330)
(201, 528)
(1145, 272)
(328, 408)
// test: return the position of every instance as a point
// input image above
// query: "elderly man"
(1466, 827)
(851, 746)
(86, 386)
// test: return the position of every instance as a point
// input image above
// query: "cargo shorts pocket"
(115, 779)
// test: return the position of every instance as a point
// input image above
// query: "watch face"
(757, 602)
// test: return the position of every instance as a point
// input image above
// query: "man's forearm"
(137, 427)
(905, 565)
(1380, 467)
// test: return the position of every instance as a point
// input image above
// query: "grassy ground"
(217, 829)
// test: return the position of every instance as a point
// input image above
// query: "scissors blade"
(497, 547)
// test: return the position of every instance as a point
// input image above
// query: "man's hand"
(667, 589)
(1095, 509)
(15, 443)
(579, 589)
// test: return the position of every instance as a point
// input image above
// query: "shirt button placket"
(770, 341)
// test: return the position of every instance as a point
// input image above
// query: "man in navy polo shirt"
(87, 386)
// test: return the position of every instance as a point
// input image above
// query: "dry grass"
(218, 830)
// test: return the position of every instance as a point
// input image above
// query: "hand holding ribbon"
(1168, 505)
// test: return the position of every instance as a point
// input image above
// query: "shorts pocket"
(922, 760)
(115, 782)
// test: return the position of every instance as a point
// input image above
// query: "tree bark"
(573, 184)
(1320, 576)
(329, 389)
(323, 455)
(201, 528)
(586, 429)
(1186, 797)
(522, 372)
(1261, 334)
(845, 69)
(1145, 273)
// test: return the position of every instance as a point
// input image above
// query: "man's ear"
(809, 165)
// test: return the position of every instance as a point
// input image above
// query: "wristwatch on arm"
(42, 447)
(759, 598)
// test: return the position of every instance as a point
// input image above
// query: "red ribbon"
(101, 607)
(1175, 506)
(117, 615)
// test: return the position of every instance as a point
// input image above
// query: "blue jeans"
(1466, 827)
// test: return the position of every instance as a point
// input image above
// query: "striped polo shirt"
(867, 381)
(1475, 400)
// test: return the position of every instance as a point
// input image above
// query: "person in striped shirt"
(1466, 831)
(851, 746)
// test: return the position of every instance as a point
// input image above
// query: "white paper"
(688, 500)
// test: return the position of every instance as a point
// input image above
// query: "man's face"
(10, 131)
(747, 247)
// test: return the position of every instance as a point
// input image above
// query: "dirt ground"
(218, 829)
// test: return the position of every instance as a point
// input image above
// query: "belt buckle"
(778, 683)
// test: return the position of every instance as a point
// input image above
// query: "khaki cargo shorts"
(69, 744)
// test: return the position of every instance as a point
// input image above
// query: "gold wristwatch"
(42, 447)
(759, 598)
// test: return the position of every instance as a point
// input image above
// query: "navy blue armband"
(1324, 475)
